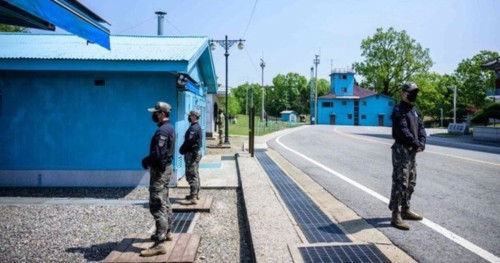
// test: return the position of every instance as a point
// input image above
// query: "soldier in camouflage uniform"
(191, 151)
(159, 161)
(220, 126)
(409, 135)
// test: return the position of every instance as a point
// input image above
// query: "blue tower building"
(349, 104)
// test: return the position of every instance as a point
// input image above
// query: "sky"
(288, 34)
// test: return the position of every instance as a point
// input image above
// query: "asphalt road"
(457, 188)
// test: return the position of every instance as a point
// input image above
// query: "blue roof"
(186, 54)
(53, 46)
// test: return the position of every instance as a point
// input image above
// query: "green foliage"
(473, 81)
(244, 93)
(290, 92)
(233, 105)
(434, 94)
(482, 116)
(9, 28)
(323, 87)
(391, 58)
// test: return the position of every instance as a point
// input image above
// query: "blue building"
(348, 104)
(288, 116)
(75, 114)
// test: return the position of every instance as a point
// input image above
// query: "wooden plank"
(122, 246)
(191, 248)
(169, 246)
(134, 249)
(142, 242)
(179, 248)
(182, 248)
(203, 205)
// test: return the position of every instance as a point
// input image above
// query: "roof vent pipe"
(160, 22)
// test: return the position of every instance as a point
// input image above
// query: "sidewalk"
(274, 232)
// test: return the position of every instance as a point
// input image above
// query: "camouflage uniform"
(409, 134)
(191, 151)
(159, 160)
(220, 124)
(159, 205)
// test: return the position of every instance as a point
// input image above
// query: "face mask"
(155, 117)
(412, 97)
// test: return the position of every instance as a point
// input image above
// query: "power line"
(132, 27)
(178, 31)
(250, 20)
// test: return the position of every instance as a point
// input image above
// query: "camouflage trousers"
(221, 134)
(192, 161)
(404, 176)
(159, 205)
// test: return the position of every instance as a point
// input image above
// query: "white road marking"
(441, 230)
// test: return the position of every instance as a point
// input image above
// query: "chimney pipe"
(160, 21)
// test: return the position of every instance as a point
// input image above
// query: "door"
(380, 120)
(332, 119)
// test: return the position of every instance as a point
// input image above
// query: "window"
(349, 116)
(344, 90)
(364, 103)
(99, 82)
(363, 117)
(391, 103)
(327, 104)
(343, 76)
(344, 102)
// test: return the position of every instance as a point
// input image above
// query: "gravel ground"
(77, 233)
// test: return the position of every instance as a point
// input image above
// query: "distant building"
(494, 92)
(348, 104)
(288, 116)
(75, 114)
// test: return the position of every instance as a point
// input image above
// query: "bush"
(482, 116)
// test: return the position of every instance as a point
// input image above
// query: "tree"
(243, 93)
(391, 58)
(323, 87)
(9, 28)
(434, 94)
(289, 87)
(473, 81)
(233, 106)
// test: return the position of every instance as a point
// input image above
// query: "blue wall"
(63, 121)
(375, 105)
(340, 110)
(338, 83)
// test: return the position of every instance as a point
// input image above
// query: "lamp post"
(226, 44)
(262, 65)
(454, 103)
(316, 62)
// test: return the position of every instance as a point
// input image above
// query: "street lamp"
(316, 62)
(454, 103)
(226, 44)
(262, 65)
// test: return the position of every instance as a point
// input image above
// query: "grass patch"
(273, 124)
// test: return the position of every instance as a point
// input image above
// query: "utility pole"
(262, 65)
(316, 62)
(454, 103)
(311, 97)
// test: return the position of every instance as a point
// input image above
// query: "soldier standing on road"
(220, 125)
(159, 160)
(192, 156)
(409, 135)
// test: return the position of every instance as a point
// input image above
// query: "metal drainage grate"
(317, 227)
(344, 253)
(182, 221)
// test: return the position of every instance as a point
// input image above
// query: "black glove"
(146, 162)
